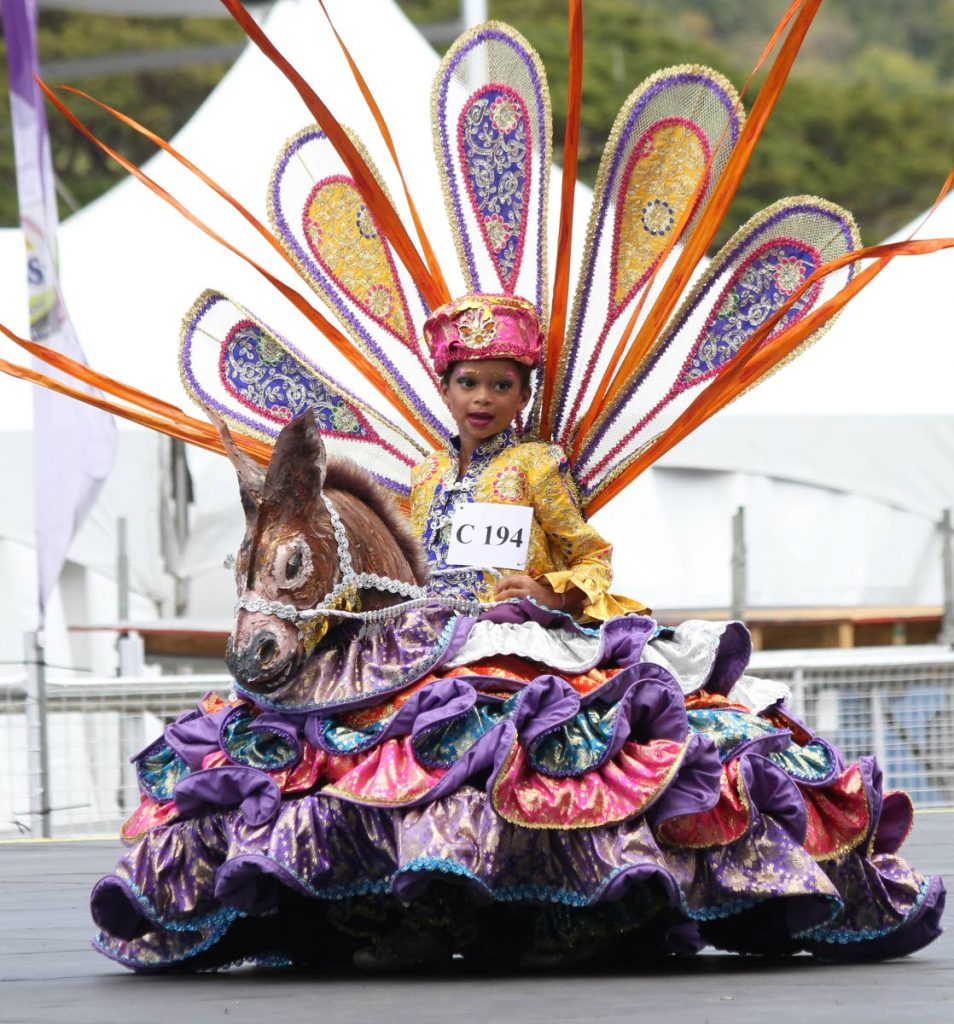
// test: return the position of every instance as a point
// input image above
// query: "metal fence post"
(947, 577)
(798, 692)
(181, 491)
(131, 662)
(38, 745)
(122, 568)
(878, 731)
(738, 564)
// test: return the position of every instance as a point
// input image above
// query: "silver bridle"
(351, 582)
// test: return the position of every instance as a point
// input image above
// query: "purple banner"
(74, 444)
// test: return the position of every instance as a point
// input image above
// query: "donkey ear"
(251, 476)
(296, 473)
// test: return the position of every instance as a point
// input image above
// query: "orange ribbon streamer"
(754, 359)
(80, 371)
(432, 264)
(325, 326)
(710, 219)
(191, 431)
(561, 280)
(365, 181)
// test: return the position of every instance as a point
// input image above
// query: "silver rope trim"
(417, 596)
(290, 613)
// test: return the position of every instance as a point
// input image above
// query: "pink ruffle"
(622, 788)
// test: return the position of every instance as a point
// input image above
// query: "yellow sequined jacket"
(564, 549)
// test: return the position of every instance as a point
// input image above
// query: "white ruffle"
(689, 653)
(758, 694)
(566, 650)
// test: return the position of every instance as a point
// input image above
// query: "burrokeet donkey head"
(289, 554)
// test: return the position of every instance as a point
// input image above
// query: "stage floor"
(49, 973)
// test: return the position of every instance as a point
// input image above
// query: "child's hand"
(520, 585)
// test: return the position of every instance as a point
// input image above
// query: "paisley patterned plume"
(493, 143)
(668, 146)
(257, 381)
(750, 279)
(634, 373)
(321, 220)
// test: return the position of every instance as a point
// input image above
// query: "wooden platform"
(791, 628)
(202, 643)
(49, 974)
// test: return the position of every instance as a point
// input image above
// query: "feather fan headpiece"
(652, 342)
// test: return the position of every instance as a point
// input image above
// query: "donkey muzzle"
(262, 653)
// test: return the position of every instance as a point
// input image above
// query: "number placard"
(489, 536)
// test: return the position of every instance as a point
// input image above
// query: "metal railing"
(894, 702)
(93, 727)
(897, 703)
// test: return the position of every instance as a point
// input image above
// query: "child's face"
(484, 395)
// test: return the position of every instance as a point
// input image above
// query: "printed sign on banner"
(489, 536)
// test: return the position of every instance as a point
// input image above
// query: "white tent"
(131, 268)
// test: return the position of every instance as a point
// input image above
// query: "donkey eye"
(293, 565)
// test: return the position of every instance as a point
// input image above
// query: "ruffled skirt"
(609, 808)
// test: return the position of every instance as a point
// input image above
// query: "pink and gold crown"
(484, 327)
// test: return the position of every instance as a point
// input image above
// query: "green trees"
(162, 99)
(866, 119)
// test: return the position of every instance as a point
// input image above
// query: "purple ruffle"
(196, 735)
(771, 791)
(254, 793)
(649, 705)
(733, 653)
(695, 787)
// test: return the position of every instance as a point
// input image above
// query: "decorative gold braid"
(545, 199)
(715, 267)
(370, 801)
(561, 385)
(323, 293)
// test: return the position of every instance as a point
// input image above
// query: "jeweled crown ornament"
(484, 327)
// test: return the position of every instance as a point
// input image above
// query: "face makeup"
(484, 396)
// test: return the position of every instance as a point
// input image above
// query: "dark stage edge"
(49, 973)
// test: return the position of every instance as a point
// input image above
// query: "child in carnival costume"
(484, 348)
(589, 784)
